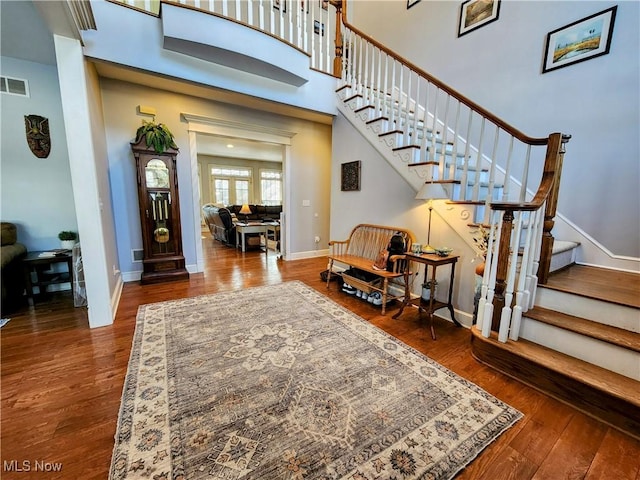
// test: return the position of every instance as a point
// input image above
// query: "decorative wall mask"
(38, 138)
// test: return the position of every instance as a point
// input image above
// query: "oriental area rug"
(280, 382)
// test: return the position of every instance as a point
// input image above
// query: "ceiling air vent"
(14, 86)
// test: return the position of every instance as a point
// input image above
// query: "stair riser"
(612, 357)
(563, 259)
(603, 312)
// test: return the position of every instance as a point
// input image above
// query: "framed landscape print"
(579, 41)
(350, 176)
(477, 13)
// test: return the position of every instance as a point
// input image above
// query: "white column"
(94, 228)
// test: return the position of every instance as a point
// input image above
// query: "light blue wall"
(36, 192)
(499, 67)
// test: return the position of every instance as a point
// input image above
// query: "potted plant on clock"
(157, 135)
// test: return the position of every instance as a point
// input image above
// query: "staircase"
(576, 343)
(592, 315)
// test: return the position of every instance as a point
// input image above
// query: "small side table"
(433, 261)
(33, 262)
(244, 228)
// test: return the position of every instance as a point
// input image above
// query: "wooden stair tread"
(606, 333)
(622, 288)
(377, 119)
(586, 373)
(404, 147)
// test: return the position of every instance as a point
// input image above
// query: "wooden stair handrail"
(548, 181)
(469, 103)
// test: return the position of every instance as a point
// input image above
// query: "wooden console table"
(433, 261)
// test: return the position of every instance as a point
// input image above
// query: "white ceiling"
(24, 34)
(241, 148)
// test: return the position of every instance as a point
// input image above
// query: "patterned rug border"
(126, 410)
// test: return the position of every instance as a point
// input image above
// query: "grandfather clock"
(159, 214)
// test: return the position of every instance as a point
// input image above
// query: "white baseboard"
(307, 254)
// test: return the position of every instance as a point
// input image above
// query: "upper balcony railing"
(308, 25)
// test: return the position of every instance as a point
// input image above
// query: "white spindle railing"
(305, 24)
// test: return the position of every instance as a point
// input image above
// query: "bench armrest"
(338, 247)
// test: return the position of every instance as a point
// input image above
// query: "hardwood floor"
(62, 382)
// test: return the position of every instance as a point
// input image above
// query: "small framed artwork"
(277, 4)
(324, 4)
(587, 38)
(411, 3)
(318, 27)
(350, 176)
(477, 13)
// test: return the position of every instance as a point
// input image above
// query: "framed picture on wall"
(350, 176)
(582, 40)
(477, 13)
(411, 3)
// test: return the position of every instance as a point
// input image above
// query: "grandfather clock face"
(159, 211)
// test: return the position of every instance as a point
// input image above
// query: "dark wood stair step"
(608, 396)
(606, 333)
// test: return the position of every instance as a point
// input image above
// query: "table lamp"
(246, 211)
(431, 191)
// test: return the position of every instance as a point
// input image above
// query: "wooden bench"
(360, 251)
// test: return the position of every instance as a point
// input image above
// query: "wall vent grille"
(137, 255)
(14, 86)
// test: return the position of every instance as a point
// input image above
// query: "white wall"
(309, 164)
(85, 139)
(36, 192)
(499, 67)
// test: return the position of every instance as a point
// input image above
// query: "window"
(271, 187)
(230, 185)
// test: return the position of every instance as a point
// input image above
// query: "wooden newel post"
(337, 59)
(502, 268)
(555, 150)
